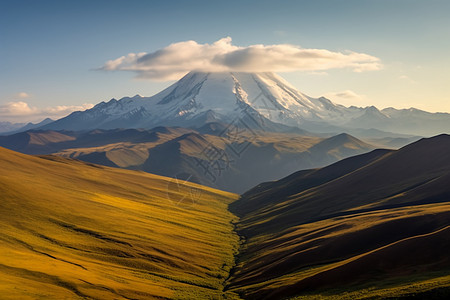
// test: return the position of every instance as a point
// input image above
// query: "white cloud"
(177, 59)
(14, 109)
(22, 111)
(62, 110)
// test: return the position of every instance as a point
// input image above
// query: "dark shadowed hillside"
(373, 224)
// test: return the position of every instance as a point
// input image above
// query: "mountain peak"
(253, 99)
(191, 101)
(342, 140)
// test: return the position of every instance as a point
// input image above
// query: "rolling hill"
(73, 230)
(216, 155)
(373, 225)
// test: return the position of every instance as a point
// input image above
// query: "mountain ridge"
(257, 100)
(217, 155)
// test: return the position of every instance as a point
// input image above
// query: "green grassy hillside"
(71, 230)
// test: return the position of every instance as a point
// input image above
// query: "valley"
(371, 225)
(138, 198)
(224, 150)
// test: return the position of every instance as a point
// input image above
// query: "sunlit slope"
(72, 230)
(373, 225)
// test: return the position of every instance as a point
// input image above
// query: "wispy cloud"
(21, 95)
(347, 97)
(177, 59)
(19, 111)
(407, 79)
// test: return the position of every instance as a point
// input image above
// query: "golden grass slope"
(71, 230)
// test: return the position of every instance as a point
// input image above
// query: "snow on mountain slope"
(229, 93)
(225, 95)
(265, 98)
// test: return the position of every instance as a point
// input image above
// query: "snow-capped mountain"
(264, 99)
(199, 98)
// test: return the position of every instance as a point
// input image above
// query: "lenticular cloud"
(177, 59)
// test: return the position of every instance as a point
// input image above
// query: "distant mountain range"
(217, 128)
(11, 128)
(8, 126)
(215, 155)
(262, 101)
(374, 223)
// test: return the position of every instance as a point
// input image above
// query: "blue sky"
(50, 50)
